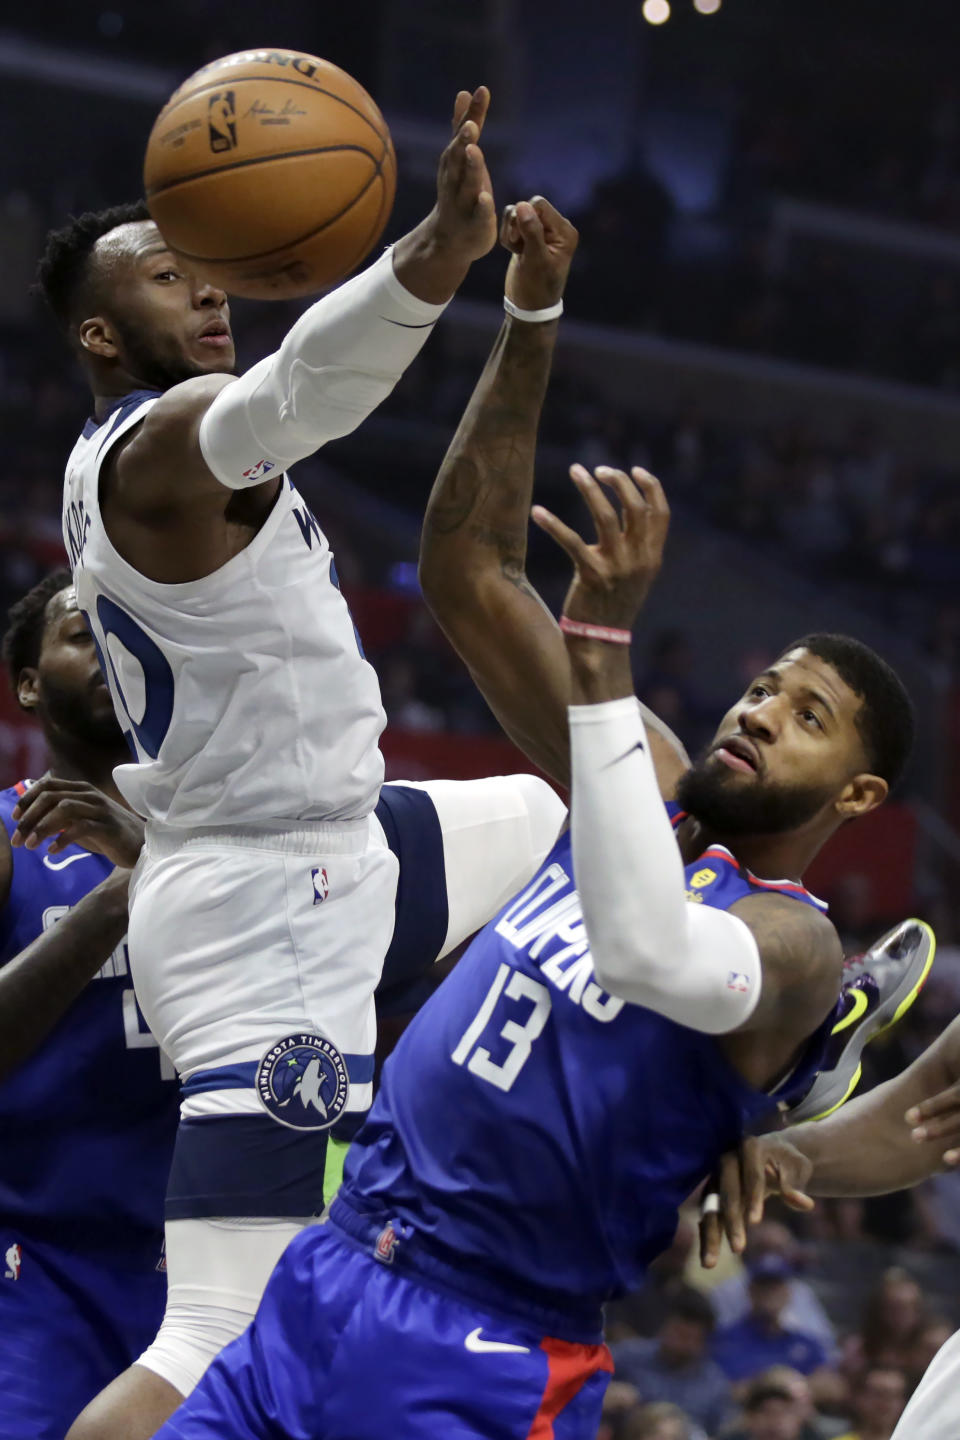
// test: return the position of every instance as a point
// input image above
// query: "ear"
(863, 794)
(28, 688)
(97, 337)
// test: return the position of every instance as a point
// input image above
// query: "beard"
(75, 716)
(157, 364)
(725, 806)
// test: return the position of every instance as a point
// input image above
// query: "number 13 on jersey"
(518, 1033)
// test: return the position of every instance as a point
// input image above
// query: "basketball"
(270, 173)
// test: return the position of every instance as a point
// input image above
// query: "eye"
(810, 717)
(167, 275)
(758, 690)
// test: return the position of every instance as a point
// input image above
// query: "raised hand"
(465, 217)
(432, 260)
(613, 576)
(542, 243)
(75, 813)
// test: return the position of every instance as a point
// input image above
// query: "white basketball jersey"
(245, 696)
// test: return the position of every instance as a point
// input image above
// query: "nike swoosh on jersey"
(68, 860)
(474, 1343)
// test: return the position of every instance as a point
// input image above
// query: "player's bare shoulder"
(802, 960)
(159, 467)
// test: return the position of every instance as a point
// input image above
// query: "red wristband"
(594, 632)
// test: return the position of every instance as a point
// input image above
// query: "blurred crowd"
(751, 1352)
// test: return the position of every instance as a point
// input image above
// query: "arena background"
(765, 309)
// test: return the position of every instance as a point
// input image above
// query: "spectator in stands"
(761, 1338)
(731, 1300)
(658, 1422)
(770, 1412)
(893, 1317)
(878, 1403)
(676, 1365)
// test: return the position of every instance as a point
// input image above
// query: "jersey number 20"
(520, 988)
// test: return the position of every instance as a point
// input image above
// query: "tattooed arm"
(474, 545)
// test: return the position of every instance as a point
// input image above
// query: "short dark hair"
(885, 719)
(26, 620)
(687, 1303)
(763, 1390)
(63, 271)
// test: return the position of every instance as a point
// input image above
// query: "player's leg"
(273, 1379)
(933, 1410)
(345, 1348)
(465, 847)
(450, 1369)
(216, 1273)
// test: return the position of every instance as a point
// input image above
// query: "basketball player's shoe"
(878, 989)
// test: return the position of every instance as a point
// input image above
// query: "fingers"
(605, 517)
(940, 1104)
(66, 819)
(711, 1238)
(754, 1175)
(460, 107)
(510, 237)
(556, 227)
(651, 489)
(566, 538)
(796, 1199)
(731, 1201)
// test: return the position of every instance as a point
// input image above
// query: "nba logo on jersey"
(14, 1259)
(302, 1081)
(321, 885)
(736, 981)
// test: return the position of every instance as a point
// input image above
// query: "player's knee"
(132, 1407)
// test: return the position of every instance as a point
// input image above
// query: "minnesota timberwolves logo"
(303, 1082)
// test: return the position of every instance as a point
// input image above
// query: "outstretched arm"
(895, 1136)
(474, 545)
(214, 434)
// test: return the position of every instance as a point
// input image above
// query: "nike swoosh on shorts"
(474, 1343)
(68, 860)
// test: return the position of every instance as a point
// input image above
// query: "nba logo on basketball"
(14, 1259)
(321, 885)
(386, 1244)
(221, 121)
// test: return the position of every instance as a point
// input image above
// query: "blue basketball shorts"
(69, 1324)
(345, 1348)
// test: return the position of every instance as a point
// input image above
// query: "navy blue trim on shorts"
(412, 828)
(243, 1075)
(579, 1321)
(228, 1166)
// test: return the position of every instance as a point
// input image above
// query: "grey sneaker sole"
(832, 1088)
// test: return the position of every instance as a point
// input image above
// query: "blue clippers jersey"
(87, 1122)
(539, 1132)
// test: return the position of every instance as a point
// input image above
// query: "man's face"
(69, 692)
(775, 1420)
(769, 1298)
(682, 1342)
(881, 1399)
(163, 323)
(786, 752)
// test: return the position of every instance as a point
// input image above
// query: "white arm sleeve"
(694, 964)
(337, 364)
